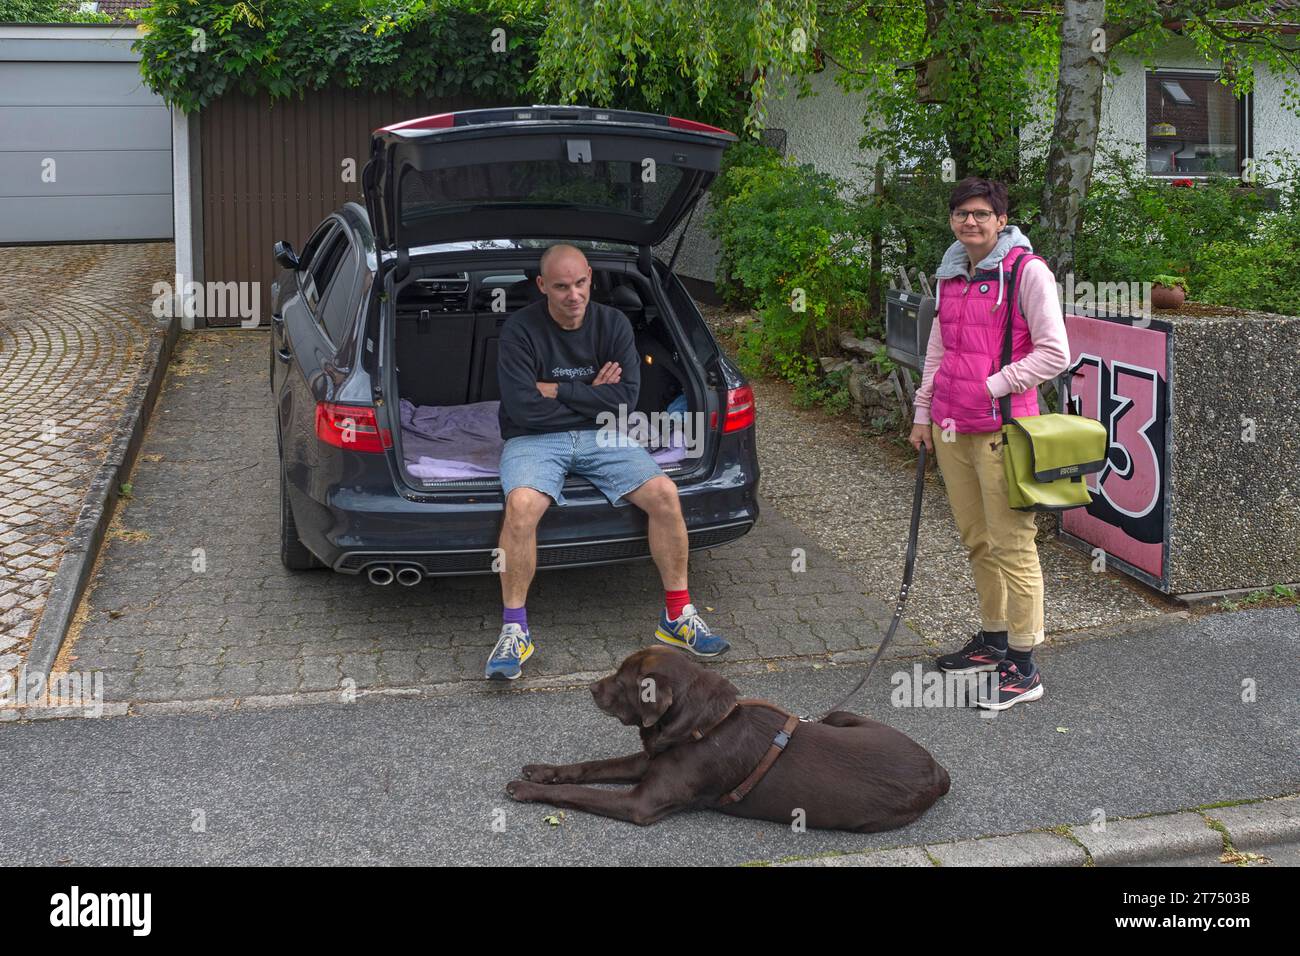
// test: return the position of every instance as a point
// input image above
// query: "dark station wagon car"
(385, 330)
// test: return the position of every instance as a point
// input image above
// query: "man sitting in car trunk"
(561, 362)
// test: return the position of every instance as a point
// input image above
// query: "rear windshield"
(617, 187)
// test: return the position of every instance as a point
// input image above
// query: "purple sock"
(516, 615)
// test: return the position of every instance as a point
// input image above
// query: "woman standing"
(988, 277)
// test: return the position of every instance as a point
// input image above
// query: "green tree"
(1237, 35)
(943, 80)
(707, 58)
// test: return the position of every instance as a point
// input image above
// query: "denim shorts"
(541, 462)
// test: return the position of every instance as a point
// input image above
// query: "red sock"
(674, 601)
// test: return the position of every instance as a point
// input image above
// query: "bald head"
(565, 280)
(559, 252)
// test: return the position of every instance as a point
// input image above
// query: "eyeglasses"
(979, 215)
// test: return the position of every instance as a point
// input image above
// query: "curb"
(834, 663)
(1201, 835)
(1206, 599)
(97, 506)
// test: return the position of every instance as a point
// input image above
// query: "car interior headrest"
(625, 297)
(525, 290)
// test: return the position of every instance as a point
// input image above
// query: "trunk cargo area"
(446, 333)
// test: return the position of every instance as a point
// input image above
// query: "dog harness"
(773, 752)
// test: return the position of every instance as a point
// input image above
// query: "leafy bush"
(791, 248)
(911, 216)
(193, 51)
(1220, 235)
(48, 11)
(783, 226)
(1257, 274)
(722, 195)
(830, 391)
(1134, 227)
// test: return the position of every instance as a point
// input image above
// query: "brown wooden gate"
(275, 170)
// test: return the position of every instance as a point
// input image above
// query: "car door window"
(316, 278)
(335, 310)
(314, 243)
(688, 317)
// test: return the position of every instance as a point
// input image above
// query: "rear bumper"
(573, 554)
(351, 530)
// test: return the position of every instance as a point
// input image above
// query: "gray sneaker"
(514, 646)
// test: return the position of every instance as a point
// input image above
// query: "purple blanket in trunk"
(464, 441)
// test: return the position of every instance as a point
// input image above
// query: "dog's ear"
(700, 702)
(653, 693)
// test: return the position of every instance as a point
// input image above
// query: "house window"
(1195, 125)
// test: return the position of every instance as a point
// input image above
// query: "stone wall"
(1235, 519)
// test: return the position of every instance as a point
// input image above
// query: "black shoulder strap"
(1004, 403)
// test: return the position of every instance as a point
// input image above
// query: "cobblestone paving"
(74, 322)
(206, 479)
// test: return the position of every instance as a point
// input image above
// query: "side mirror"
(285, 255)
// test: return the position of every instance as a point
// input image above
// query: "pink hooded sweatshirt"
(963, 362)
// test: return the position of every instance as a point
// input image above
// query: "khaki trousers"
(999, 540)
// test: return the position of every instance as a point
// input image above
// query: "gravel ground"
(858, 505)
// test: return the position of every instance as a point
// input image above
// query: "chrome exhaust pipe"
(410, 575)
(380, 574)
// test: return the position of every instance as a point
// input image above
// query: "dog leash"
(908, 568)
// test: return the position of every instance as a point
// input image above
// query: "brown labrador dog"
(844, 772)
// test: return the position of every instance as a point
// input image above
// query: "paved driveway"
(74, 325)
(204, 495)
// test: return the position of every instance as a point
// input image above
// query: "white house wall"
(824, 130)
(1277, 130)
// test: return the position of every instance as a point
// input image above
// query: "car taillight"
(352, 427)
(740, 410)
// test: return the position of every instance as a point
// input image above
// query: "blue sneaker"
(514, 646)
(690, 633)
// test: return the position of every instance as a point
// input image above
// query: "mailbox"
(908, 317)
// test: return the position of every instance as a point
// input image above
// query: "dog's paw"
(522, 791)
(542, 773)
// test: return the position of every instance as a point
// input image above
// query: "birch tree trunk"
(1085, 49)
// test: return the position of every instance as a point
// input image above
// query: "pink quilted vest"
(973, 326)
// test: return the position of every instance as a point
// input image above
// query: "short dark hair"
(972, 187)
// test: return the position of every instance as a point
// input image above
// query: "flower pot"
(1165, 297)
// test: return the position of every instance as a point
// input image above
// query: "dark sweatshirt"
(534, 348)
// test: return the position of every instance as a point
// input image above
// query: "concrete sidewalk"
(1145, 722)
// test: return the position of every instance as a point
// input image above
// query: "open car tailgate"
(537, 172)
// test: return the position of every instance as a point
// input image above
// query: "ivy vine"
(194, 51)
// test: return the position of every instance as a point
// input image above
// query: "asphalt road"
(1137, 723)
